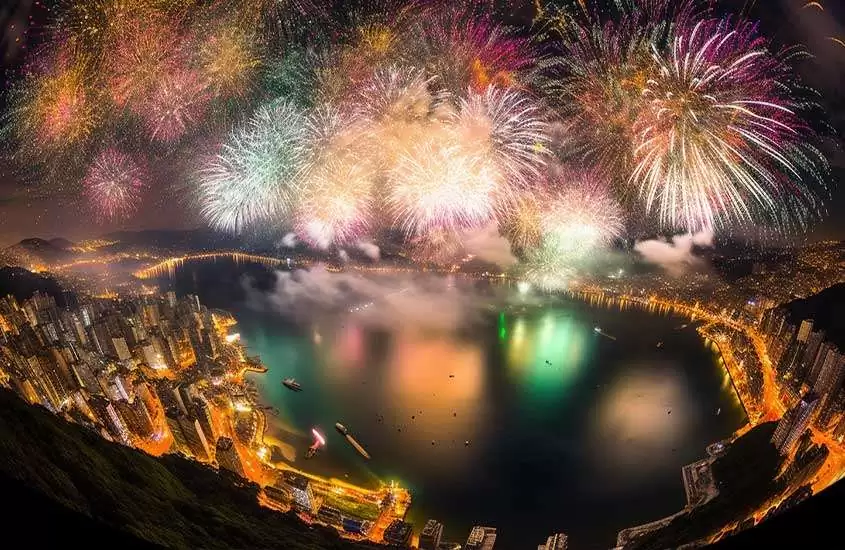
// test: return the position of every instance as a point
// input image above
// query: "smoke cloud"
(288, 241)
(676, 255)
(487, 245)
(370, 250)
(416, 301)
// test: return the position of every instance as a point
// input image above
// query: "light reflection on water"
(549, 407)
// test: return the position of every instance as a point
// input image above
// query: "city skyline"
(423, 274)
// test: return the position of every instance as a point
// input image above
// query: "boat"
(659, 344)
(291, 384)
(718, 411)
(341, 429)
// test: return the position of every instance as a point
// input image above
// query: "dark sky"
(25, 211)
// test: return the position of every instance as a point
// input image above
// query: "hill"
(169, 501)
(22, 284)
(36, 251)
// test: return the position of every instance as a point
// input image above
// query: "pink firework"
(176, 105)
(464, 47)
(147, 50)
(113, 185)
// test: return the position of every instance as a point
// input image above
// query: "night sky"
(26, 210)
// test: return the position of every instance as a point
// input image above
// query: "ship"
(352, 441)
(319, 442)
(291, 384)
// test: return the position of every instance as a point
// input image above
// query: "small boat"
(291, 384)
(718, 411)
(659, 345)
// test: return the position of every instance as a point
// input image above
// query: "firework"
(277, 21)
(55, 111)
(522, 223)
(578, 218)
(394, 94)
(147, 52)
(509, 128)
(229, 59)
(336, 201)
(720, 142)
(461, 45)
(438, 183)
(294, 76)
(177, 103)
(439, 246)
(256, 176)
(114, 184)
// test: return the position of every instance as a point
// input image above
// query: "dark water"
(568, 430)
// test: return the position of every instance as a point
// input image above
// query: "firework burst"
(438, 183)
(114, 184)
(578, 217)
(720, 142)
(55, 111)
(462, 45)
(508, 128)
(336, 202)
(176, 105)
(229, 60)
(147, 51)
(256, 176)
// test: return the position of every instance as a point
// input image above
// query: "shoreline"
(588, 299)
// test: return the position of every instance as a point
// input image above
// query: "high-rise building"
(152, 358)
(813, 342)
(171, 415)
(818, 363)
(831, 374)
(301, 491)
(839, 430)
(109, 417)
(558, 541)
(481, 538)
(431, 535)
(194, 436)
(804, 330)
(136, 417)
(227, 456)
(398, 533)
(202, 412)
(121, 349)
(794, 423)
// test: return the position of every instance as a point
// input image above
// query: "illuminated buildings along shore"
(164, 374)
